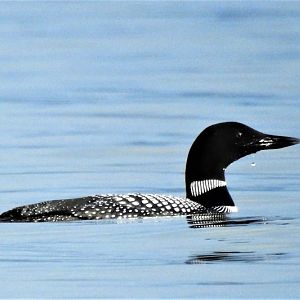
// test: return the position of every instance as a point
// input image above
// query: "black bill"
(274, 142)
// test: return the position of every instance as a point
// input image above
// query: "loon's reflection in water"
(233, 256)
(220, 220)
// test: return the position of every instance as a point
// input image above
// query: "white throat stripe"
(225, 209)
(200, 187)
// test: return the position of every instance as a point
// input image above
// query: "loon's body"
(206, 191)
(107, 207)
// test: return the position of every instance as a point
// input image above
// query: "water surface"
(104, 97)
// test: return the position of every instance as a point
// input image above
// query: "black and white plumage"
(108, 207)
(206, 190)
(200, 187)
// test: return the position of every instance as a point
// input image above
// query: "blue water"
(107, 97)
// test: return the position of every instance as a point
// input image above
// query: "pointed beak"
(266, 142)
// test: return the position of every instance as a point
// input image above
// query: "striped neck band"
(200, 187)
(225, 209)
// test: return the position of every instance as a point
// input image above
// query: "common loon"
(206, 192)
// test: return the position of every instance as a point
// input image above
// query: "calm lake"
(107, 97)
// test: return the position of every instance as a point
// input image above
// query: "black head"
(221, 144)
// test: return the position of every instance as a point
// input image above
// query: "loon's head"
(217, 147)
